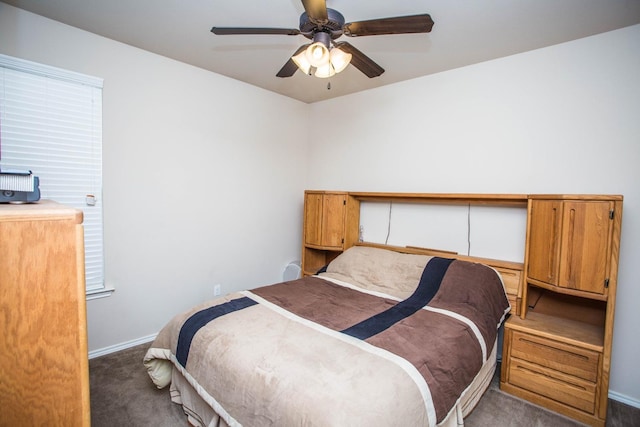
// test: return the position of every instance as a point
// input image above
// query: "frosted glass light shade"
(325, 71)
(317, 54)
(302, 62)
(339, 59)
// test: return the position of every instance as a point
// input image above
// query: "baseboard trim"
(624, 399)
(122, 346)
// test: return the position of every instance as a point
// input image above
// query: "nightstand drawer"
(561, 357)
(511, 280)
(555, 385)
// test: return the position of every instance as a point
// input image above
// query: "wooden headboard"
(511, 272)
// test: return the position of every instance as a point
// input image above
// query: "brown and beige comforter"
(320, 351)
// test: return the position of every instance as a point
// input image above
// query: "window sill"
(99, 293)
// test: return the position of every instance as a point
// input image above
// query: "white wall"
(565, 119)
(203, 176)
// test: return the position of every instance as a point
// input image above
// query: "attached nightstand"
(557, 353)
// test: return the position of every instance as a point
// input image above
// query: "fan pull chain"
(328, 85)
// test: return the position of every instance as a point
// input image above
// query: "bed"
(377, 338)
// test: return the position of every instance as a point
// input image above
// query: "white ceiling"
(465, 32)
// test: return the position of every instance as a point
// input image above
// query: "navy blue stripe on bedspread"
(199, 319)
(429, 284)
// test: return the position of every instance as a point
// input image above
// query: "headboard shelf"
(518, 200)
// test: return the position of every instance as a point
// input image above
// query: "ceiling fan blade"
(290, 67)
(361, 61)
(225, 31)
(398, 25)
(316, 11)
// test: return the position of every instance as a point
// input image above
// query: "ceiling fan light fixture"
(336, 62)
(339, 59)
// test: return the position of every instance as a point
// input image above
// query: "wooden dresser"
(44, 373)
(557, 353)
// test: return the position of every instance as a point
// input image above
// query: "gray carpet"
(122, 395)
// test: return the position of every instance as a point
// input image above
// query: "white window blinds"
(51, 124)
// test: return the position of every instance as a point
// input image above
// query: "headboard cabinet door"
(330, 226)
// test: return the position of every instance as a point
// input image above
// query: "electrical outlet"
(216, 290)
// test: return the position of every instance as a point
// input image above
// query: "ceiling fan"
(324, 57)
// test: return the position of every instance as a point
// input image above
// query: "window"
(51, 124)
